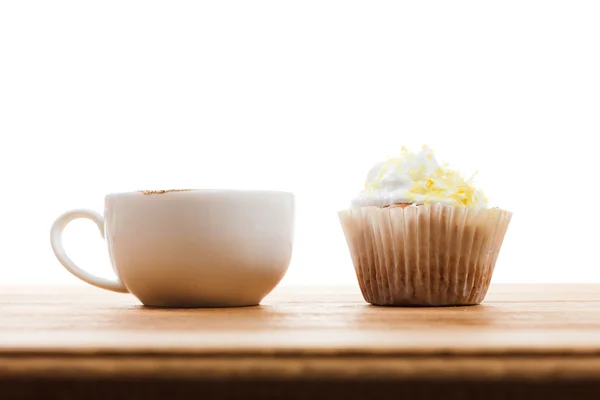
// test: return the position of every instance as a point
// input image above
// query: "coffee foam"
(149, 192)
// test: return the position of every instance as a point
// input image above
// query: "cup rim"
(180, 192)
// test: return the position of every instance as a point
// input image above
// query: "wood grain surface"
(521, 333)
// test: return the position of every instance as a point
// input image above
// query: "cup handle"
(56, 233)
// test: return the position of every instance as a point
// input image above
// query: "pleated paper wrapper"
(427, 255)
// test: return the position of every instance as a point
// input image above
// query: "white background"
(109, 96)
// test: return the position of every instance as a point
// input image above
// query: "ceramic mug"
(191, 248)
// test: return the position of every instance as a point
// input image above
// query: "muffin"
(420, 234)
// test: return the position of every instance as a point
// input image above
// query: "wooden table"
(524, 341)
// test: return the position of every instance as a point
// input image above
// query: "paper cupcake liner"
(429, 255)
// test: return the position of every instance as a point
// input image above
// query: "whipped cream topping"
(417, 179)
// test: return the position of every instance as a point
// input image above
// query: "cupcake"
(420, 234)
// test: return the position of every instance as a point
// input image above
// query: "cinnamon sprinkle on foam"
(148, 192)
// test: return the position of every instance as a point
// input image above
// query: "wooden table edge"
(307, 368)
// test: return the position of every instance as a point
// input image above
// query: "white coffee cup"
(191, 248)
